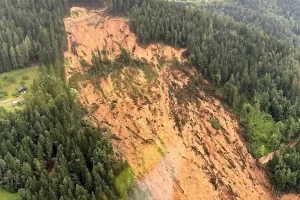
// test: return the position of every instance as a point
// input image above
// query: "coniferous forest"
(248, 49)
(48, 149)
(30, 31)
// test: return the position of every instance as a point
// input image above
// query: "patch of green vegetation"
(263, 133)
(150, 74)
(10, 80)
(75, 13)
(127, 188)
(5, 195)
(123, 182)
(162, 60)
(161, 151)
(215, 123)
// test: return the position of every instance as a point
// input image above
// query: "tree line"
(49, 150)
(257, 71)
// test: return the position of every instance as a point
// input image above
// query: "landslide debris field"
(181, 142)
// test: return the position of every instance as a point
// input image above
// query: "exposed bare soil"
(93, 29)
(290, 197)
(160, 126)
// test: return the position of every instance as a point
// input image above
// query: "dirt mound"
(180, 142)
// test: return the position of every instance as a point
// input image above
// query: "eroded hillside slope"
(180, 142)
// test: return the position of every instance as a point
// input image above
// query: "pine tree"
(28, 48)
(6, 61)
(16, 39)
(13, 58)
(20, 56)
(9, 38)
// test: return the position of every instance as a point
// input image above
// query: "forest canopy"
(48, 150)
(30, 31)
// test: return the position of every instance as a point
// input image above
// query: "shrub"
(215, 123)
(75, 13)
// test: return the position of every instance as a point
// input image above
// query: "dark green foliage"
(262, 132)
(30, 30)
(285, 169)
(279, 18)
(252, 56)
(121, 6)
(49, 152)
(215, 123)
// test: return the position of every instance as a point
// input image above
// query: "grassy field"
(5, 195)
(10, 80)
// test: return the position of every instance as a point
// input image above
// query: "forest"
(248, 49)
(48, 150)
(279, 18)
(30, 31)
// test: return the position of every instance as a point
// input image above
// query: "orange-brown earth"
(163, 128)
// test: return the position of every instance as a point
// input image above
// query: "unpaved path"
(168, 141)
(269, 156)
(8, 100)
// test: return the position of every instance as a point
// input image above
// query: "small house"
(21, 89)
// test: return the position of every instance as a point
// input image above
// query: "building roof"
(21, 88)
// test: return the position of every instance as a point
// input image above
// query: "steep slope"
(170, 163)
(163, 126)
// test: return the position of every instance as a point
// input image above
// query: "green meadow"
(5, 195)
(10, 80)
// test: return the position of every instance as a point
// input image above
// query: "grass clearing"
(5, 195)
(123, 182)
(10, 80)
